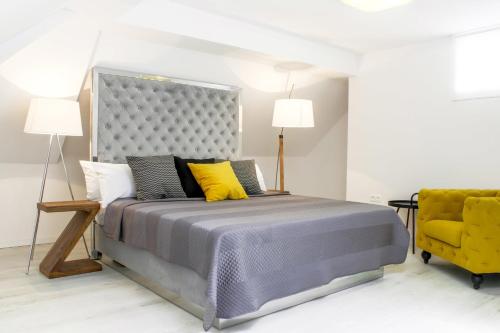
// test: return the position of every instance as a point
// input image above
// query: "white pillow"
(91, 181)
(260, 178)
(113, 181)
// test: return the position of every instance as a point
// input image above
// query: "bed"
(231, 261)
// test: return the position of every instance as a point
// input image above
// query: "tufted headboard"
(140, 114)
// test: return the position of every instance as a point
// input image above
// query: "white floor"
(412, 297)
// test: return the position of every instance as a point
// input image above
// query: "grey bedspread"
(256, 250)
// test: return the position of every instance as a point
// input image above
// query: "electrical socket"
(376, 198)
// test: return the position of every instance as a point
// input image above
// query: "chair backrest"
(447, 204)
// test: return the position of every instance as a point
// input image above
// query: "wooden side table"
(54, 264)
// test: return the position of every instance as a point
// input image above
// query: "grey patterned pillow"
(245, 172)
(155, 177)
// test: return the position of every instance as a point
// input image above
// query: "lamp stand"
(282, 164)
(281, 161)
(40, 198)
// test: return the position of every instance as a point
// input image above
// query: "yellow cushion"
(449, 232)
(218, 181)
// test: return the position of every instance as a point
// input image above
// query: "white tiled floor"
(411, 297)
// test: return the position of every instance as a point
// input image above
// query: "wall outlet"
(376, 198)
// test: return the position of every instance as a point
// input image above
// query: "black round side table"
(410, 205)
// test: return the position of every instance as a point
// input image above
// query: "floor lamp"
(53, 117)
(289, 113)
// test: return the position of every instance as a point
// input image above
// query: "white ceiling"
(333, 22)
(328, 21)
(17, 16)
(330, 26)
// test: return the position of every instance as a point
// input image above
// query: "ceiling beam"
(173, 18)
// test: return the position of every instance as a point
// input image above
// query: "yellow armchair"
(461, 226)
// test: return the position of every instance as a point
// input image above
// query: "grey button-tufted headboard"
(138, 114)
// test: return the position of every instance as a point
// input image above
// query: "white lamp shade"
(293, 113)
(54, 116)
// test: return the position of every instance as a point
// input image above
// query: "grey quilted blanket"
(267, 247)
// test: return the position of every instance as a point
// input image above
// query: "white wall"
(316, 158)
(406, 132)
(315, 161)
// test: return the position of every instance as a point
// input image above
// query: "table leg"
(413, 230)
(407, 217)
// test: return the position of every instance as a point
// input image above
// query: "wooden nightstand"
(54, 264)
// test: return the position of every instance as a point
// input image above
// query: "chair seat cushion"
(449, 232)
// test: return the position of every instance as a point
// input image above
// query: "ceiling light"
(375, 5)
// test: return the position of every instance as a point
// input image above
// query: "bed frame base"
(118, 262)
(334, 286)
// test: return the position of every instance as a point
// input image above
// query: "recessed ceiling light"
(375, 5)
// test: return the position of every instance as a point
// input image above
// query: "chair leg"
(476, 279)
(426, 256)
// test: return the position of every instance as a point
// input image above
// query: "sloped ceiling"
(47, 46)
(45, 50)
(18, 16)
(43, 40)
(49, 53)
(335, 23)
(59, 35)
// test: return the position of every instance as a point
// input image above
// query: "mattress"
(264, 248)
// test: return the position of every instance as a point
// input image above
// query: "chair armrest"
(481, 234)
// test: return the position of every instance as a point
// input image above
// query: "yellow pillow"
(218, 181)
